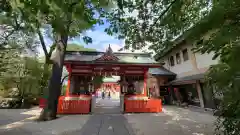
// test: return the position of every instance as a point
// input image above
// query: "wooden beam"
(107, 64)
(145, 83)
(69, 80)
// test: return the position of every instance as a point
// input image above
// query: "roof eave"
(114, 63)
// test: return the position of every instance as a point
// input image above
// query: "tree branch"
(50, 53)
(15, 28)
(64, 79)
(42, 42)
(164, 12)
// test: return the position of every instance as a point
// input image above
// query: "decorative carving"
(108, 56)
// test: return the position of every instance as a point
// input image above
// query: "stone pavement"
(8, 116)
(172, 121)
(107, 120)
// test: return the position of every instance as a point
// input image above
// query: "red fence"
(142, 105)
(42, 102)
(74, 104)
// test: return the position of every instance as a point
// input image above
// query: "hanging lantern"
(124, 85)
(105, 74)
(91, 85)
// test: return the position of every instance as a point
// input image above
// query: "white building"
(190, 68)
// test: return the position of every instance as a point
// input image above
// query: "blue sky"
(100, 39)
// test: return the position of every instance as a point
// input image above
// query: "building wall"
(204, 61)
(184, 67)
(197, 63)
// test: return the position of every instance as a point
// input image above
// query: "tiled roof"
(188, 78)
(161, 71)
(134, 58)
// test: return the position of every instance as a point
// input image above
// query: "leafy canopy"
(155, 23)
(210, 25)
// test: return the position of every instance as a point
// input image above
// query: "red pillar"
(145, 83)
(69, 80)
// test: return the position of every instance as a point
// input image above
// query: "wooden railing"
(74, 104)
(81, 104)
(141, 104)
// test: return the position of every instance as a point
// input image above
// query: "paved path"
(8, 116)
(108, 121)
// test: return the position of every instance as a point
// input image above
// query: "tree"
(67, 19)
(155, 23)
(97, 81)
(21, 76)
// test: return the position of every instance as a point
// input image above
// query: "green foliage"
(64, 88)
(23, 73)
(211, 25)
(155, 23)
(224, 78)
(68, 17)
(76, 47)
(218, 33)
(97, 81)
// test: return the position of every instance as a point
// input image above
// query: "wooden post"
(200, 94)
(69, 80)
(145, 83)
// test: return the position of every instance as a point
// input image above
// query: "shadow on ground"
(106, 120)
(98, 124)
(101, 124)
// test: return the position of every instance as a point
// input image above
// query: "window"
(185, 55)
(171, 61)
(178, 58)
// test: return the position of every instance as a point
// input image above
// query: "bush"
(10, 103)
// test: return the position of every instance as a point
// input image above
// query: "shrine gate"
(132, 68)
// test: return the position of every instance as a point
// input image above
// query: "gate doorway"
(108, 96)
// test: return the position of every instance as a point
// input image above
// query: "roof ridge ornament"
(108, 55)
(109, 49)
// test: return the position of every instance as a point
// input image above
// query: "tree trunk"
(54, 88)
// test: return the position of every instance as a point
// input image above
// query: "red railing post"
(145, 83)
(69, 80)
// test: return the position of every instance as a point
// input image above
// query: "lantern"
(124, 85)
(91, 86)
